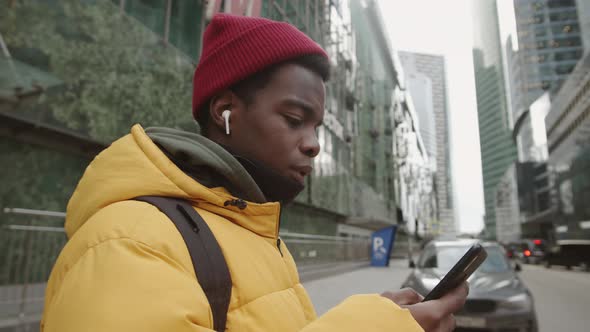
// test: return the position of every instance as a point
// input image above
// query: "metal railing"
(310, 249)
(31, 240)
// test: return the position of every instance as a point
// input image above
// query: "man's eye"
(293, 122)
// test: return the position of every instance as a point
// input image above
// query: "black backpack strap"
(208, 260)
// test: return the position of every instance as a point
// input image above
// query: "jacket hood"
(135, 166)
(207, 162)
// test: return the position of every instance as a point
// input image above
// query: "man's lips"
(300, 172)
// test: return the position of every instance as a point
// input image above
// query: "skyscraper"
(568, 138)
(497, 148)
(584, 21)
(550, 45)
(527, 124)
(426, 79)
(552, 36)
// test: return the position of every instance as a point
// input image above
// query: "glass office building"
(426, 79)
(549, 46)
(568, 138)
(498, 151)
(76, 75)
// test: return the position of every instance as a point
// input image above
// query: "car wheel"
(568, 267)
(547, 264)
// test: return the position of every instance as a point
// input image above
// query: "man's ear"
(225, 101)
(220, 102)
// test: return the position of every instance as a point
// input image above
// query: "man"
(259, 98)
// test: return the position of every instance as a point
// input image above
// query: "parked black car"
(498, 299)
(569, 253)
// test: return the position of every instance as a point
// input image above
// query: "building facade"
(552, 37)
(421, 90)
(568, 138)
(76, 75)
(498, 150)
(536, 192)
(550, 44)
(425, 77)
(583, 7)
(508, 227)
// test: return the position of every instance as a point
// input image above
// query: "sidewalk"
(328, 292)
(308, 273)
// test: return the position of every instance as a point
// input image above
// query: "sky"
(445, 28)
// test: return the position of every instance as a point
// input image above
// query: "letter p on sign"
(378, 244)
(382, 243)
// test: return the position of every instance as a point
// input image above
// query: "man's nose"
(310, 145)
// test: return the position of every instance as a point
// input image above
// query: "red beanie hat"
(235, 47)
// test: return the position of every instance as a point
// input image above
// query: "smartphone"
(459, 273)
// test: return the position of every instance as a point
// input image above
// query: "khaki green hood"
(206, 161)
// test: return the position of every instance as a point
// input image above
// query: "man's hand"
(435, 315)
(404, 297)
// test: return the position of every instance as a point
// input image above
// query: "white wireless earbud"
(226, 115)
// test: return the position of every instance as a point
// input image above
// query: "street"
(562, 297)
(328, 292)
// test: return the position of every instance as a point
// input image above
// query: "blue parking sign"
(381, 244)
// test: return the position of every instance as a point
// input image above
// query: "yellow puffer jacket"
(126, 267)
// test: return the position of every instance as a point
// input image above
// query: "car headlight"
(518, 302)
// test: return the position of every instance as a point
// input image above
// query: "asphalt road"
(327, 292)
(562, 298)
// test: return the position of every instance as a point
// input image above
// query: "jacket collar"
(225, 172)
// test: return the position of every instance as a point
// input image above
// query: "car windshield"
(445, 257)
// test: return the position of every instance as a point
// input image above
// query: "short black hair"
(247, 88)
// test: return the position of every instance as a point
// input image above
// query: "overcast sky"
(445, 28)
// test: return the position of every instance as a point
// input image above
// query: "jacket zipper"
(278, 228)
(240, 203)
(279, 246)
